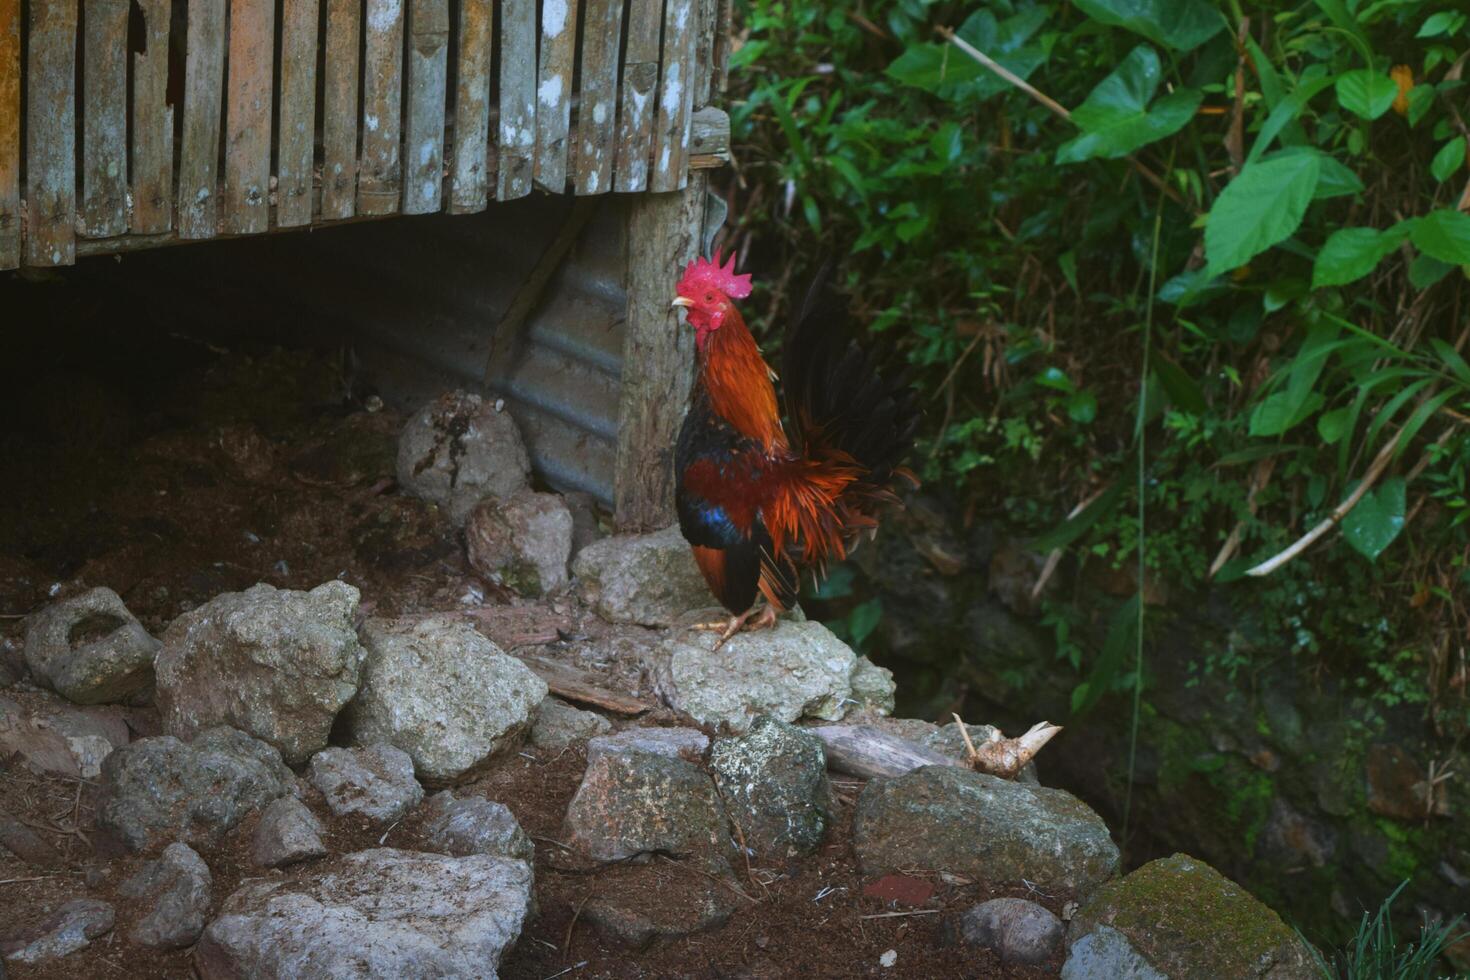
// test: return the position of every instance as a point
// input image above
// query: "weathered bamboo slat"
(204, 74)
(296, 141)
(470, 169)
(597, 115)
(153, 126)
(640, 82)
(9, 134)
(380, 175)
(51, 196)
(339, 109)
(248, 117)
(675, 98)
(554, 92)
(105, 119)
(428, 66)
(517, 98)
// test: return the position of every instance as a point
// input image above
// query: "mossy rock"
(1187, 922)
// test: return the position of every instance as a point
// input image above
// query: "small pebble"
(281, 568)
(888, 959)
(373, 403)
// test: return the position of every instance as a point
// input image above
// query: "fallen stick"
(578, 685)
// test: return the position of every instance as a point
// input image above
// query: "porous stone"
(376, 913)
(646, 579)
(65, 931)
(1019, 931)
(275, 663)
(443, 693)
(474, 825)
(376, 782)
(457, 450)
(688, 744)
(287, 832)
(773, 780)
(522, 542)
(559, 725)
(967, 823)
(161, 788)
(873, 688)
(176, 891)
(90, 649)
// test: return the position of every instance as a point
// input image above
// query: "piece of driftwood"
(204, 77)
(339, 109)
(153, 126)
(51, 123)
(675, 98)
(428, 66)
(296, 131)
(581, 686)
(517, 99)
(105, 118)
(379, 178)
(469, 170)
(868, 752)
(9, 134)
(640, 84)
(597, 114)
(554, 92)
(249, 88)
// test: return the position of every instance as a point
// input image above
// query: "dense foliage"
(1217, 305)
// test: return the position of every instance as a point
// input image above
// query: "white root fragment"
(1005, 757)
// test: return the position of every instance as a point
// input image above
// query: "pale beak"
(684, 301)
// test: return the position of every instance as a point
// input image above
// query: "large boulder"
(774, 783)
(522, 542)
(175, 891)
(942, 818)
(645, 579)
(459, 449)
(793, 670)
(90, 649)
(1179, 919)
(377, 913)
(275, 663)
(443, 693)
(376, 782)
(158, 789)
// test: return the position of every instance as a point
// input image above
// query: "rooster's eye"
(709, 297)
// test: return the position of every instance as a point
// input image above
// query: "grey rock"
(967, 823)
(176, 889)
(67, 930)
(60, 738)
(689, 744)
(585, 526)
(559, 725)
(473, 825)
(275, 663)
(1293, 840)
(90, 649)
(1019, 931)
(648, 579)
(159, 789)
(774, 783)
(522, 542)
(376, 782)
(873, 688)
(443, 693)
(287, 832)
(794, 670)
(648, 908)
(457, 450)
(633, 803)
(1106, 954)
(377, 913)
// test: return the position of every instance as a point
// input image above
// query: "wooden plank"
(640, 81)
(470, 169)
(517, 98)
(153, 126)
(296, 138)
(709, 138)
(597, 115)
(380, 175)
(204, 75)
(339, 109)
(579, 685)
(428, 65)
(249, 91)
(554, 92)
(9, 134)
(51, 123)
(675, 98)
(105, 119)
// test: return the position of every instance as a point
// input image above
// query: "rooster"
(760, 505)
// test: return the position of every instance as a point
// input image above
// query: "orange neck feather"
(739, 383)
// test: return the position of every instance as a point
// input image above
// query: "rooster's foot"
(763, 620)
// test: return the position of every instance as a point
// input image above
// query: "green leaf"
(1444, 22)
(1426, 270)
(1378, 518)
(1366, 93)
(1281, 412)
(1332, 426)
(950, 74)
(1421, 99)
(1116, 119)
(1444, 234)
(1262, 206)
(1074, 527)
(1448, 159)
(863, 620)
(1452, 360)
(1121, 639)
(1284, 113)
(1180, 387)
(1349, 254)
(1082, 407)
(1179, 24)
(1056, 379)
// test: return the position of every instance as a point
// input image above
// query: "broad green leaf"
(1444, 22)
(1262, 206)
(1181, 388)
(1332, 426)
(1116, 118)
(950, 74)
(1366, 93)
(863, 620)
(1443, 234)
(1448, 159)
(1426, 270)
(1421, 99)
(1280, 413)
(1179, 24)
(1284, 113)
(1378, 518)
(1349, 254)
(1336, 179)
(1082, 407)
(1056, 379)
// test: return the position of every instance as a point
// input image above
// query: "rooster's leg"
(766, 618)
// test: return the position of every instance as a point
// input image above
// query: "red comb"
(703, 273)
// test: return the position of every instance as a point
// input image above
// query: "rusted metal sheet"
(428, 65)
(9, 134)
(517, 99)
(105, 119)
(248, 116)
(675, 98)
(204, 74)
(469, 176)
(597, 114)
(51, 122)
(339, 109)
(296, 135)
(554, 92)
(153, 126)
(380, 175)
(640, 83)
